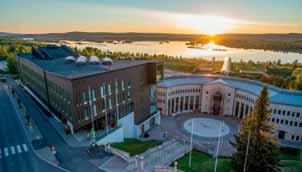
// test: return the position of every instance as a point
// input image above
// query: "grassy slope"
(134, 146)
(201, 162)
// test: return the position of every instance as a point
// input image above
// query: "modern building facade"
(229, 96)
(79, 90)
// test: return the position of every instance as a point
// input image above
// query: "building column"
(194, 102)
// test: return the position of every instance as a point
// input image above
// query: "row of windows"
(189, 90)
(287, 113)
(246, 98)
(161, 93)
(58, 97)
(296, 138)
(285, 122)
(103, 99)
(35, 80)
(106, 90)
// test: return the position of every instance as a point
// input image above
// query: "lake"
(179, 48)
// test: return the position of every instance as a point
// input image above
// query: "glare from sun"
(207, 24)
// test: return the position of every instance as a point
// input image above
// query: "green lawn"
(290, 160)
(135, 146)
(201, 162)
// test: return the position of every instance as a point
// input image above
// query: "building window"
(93, 94)
(102, 91)
(84, 97)
(85, 113)
(109, 89)
(123, 86)
(110, 103)
(94, 110)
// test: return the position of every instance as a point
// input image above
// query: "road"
(73, 159)
(16, 152)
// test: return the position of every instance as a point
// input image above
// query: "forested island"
(288, 75)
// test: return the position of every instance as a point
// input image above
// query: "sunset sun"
(212, 25)
(207, 24)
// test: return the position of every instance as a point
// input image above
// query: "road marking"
(6, 152)
(19, 149)
(25, 147)
(12, 148)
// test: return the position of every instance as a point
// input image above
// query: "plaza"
(205, 138)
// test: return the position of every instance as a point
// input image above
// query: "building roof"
(52, 59)
(276, 95)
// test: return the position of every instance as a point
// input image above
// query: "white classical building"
(234, 97)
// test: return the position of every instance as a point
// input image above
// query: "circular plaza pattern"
(206, 127)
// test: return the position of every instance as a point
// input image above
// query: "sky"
(165, 16)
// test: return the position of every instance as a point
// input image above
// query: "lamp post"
(247, 151)
(218, 146)
(191, 144)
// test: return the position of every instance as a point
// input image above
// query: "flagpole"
(247, 151)
(191, 144)
(218, 146)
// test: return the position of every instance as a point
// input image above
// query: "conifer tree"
(263, 153)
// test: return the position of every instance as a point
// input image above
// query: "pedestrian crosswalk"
(13, 150)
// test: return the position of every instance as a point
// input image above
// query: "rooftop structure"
(276, 94)
(52, 59)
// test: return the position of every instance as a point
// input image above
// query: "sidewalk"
(32, 131)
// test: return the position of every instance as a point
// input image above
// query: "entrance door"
(217, 103)
(281, 134)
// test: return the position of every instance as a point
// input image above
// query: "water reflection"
(179, 48)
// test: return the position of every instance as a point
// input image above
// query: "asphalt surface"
(16, 152)
(72, 159)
